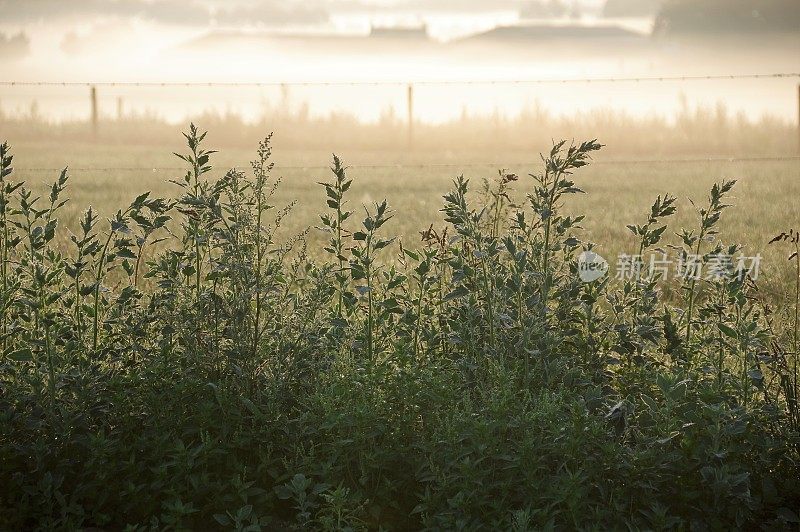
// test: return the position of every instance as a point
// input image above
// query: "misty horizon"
(400, 42)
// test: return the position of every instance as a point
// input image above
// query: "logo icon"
(591, 266)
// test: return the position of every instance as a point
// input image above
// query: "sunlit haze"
(266, 42)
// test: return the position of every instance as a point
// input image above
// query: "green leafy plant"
(184, 364)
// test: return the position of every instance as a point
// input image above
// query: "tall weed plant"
(184, 365)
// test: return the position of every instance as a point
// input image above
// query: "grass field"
(764, 198)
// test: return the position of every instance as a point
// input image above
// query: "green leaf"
(244, 512)
(727, 331)
(251, 407)
(788, 515)
(461, 291)
(126, 253)
(222, 519)
(21, 355)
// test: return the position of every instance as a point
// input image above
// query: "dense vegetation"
(180, 366)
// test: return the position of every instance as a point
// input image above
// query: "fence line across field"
(395, 82)
(408, 84)
(400, 166)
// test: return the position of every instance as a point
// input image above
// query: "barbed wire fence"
(490, 164)
(410, 119)
(712, 77)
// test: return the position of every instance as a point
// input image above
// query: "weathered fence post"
(410, 114)
(93, 97)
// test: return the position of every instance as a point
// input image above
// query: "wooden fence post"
(410, 114)
(93, 97)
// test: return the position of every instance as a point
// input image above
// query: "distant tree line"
(727, 16)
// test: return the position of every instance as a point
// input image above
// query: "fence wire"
(22, 83)
(400, 166)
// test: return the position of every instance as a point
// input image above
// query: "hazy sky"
(271, 12)
(148, 40)
(75, 27)
(47, 28)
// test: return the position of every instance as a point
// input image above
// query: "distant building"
(399, 32)
(555, 32)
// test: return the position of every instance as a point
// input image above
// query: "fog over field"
(355, 265)
(277, 42)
